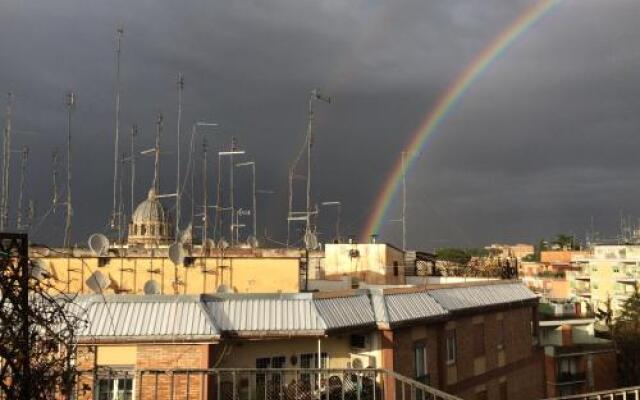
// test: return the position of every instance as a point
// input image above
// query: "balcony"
(629, 393)
(629, 280)
(568, 378)
(583, 277)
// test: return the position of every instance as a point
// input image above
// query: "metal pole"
(338, 222)
(218, 196)
(192, 171)
(205, 200)
(309, 141)
(134, 133)
(404, 201)
(231, 189)
(156, 163)
(119, 33)
(23, 172)
(6, 166)
(255, 207)
(54, 168)
(178, 193)
(67, 231)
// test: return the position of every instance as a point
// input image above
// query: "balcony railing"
(630, 393)
(254, 384)
(570, 377)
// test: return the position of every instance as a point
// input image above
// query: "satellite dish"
(185, 235)
(98, 282)
(99, 244)
(151, 287)
(252, 241)
(224, 289)
(210, 244)
(39, 270)
(223, 244)
(176, 253)
(310, 240)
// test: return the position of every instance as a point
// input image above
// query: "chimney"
(374, 238)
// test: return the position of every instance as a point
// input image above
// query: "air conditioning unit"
(361, 361)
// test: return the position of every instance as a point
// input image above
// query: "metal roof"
(341, 312)
(146, 316)
(185, 317)
(412, 306)
(458, 298)
(266, 315)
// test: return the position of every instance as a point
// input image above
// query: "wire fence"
(251, 384)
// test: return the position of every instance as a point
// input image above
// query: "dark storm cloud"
(542, 142)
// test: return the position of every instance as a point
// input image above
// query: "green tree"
(454, 255)
(626, 336)
(565, 241)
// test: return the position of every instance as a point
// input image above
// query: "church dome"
(149, 224)
(149, 210)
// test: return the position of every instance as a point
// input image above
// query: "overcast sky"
(544, 142)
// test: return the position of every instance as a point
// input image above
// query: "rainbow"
(447, 100)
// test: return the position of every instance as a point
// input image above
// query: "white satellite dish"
(224, 289)
(39, 270)
(185, 235)
(98, 282)
(99, 244)
(252, 242)
(151, 287)
(223, 244)
(210, 244)
(176, 253)
(310, 240)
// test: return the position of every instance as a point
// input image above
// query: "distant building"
(517, 251)
(575, 360)
(468, 340)
(604, 278)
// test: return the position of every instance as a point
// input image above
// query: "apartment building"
(606, 277)
(136, 343)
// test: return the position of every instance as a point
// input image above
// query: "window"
(451, 346)
(503, 391)
(478, 340)
(481, 395)
(500, 334)
(395, 268)
(308, 360)
(115, 388)
(153, 229)
(143, 229)
(420, 363)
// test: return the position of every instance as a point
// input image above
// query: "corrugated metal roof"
(458, 298)
(341, 312)
(146, 316)
(268, 314)
(412, 306)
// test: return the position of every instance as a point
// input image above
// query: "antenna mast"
(71, 103)
(205, 208)
(119, 33)
(6, 165)
(54, 169)
(134, 133)
(404, 201)
(178, 192)
(23, 171)
(156, 162)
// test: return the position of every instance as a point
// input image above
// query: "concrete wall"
(243, 275)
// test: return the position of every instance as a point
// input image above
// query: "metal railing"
(252, 384)
(629, 393)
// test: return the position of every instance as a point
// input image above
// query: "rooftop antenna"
(314, 96)
(404, 200)
(134, 133)
(6, 165)
(178, 192)
(205, 200)
(119, 33)
(24, 155)
(156, 150)
(71, 103)
(31, 213)
(120, 214)
(54, 188)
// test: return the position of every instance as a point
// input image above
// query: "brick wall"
(515, 362)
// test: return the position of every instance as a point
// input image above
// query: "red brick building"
(475, 341)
